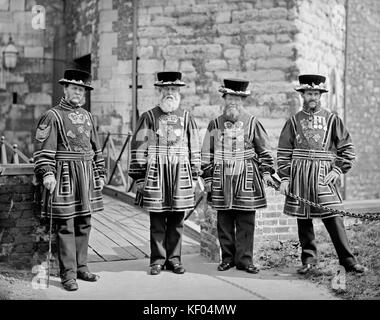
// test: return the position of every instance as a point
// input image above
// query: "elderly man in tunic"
(70, 165)
(165, 164)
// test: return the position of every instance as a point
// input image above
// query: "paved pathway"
(129, 280)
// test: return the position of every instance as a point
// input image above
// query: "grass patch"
(364, 239)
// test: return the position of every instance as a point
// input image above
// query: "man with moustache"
(314, 149)
(165, 163)
(70, 166)
(235, 160)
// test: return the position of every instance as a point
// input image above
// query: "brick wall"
(363, 97)
(23, 236)
(31, 80)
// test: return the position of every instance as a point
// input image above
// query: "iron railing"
(15, 153)
(113, 158)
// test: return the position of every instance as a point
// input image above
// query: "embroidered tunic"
(310, 146)
(165, 154)
(234, 157)
(67, 146)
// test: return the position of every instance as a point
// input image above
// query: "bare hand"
(102, 183)
(50, 182)
(284, 187)
(268, 180)
(140, 186)
(208, 186)
(331, 177)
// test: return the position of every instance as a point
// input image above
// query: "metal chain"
(364, 216)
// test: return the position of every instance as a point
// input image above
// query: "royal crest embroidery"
(42, 132)
(170, 129)
(77, 118)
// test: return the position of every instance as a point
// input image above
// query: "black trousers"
(72, 239)
(337, 232)
(166, 229)
(235, 232)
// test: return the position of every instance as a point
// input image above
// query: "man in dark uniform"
(165, 163)
(314, 149)
(70, 165)
(235, 160)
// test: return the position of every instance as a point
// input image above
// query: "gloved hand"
(331, 177)
(284, 187)
(140, 185)
(268, 180)
(50, 182)
(102, 183)
(208, 186)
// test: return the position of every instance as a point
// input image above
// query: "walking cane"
(50, 227)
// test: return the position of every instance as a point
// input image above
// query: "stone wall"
(23, 235)
(211, 40)
(363, 97)
(31, 80)
(320, 45)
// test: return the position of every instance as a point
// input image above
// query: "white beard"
(169, 105)
(232, 113)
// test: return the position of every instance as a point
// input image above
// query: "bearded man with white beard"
(235, 160)
(165, 164)
(314, 149)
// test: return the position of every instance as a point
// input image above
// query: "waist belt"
(313, 154)
(74, 156)
(235, 156)
(165, 150)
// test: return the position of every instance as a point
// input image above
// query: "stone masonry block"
(274, 63)
(37, 98)
(105, 4)
(162, 21)
(246, 15)
(4, 5)
(228, 29)
(150, 65)
(232, 53)
(17, 5)
(216, 64)
(33, 52)
(283, 50)
(256, 50)
(273, 13)
(223, 17)
(108, 16)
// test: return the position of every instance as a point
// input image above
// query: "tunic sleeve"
(139, 148)
(344, 146)
(45, 145)
(285, 150)
(261, 144)
(98, 158)
(208, 152)
(194, 148)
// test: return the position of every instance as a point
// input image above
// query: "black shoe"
(305, 268)
(356, 268)
(225, 266)
(155, 269)
(176, 268)
(70, 285)
(250, 268)
(87, 276)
